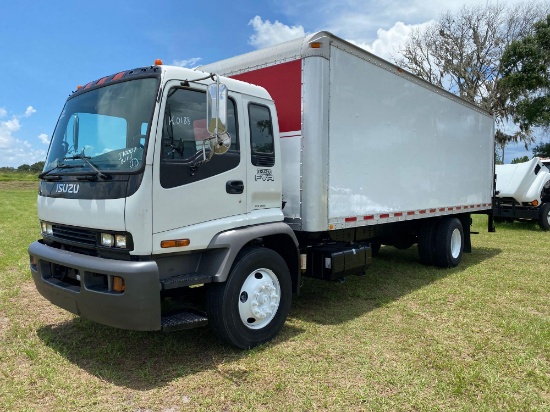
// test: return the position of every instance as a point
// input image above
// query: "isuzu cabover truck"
(172, 198)
(523, 192)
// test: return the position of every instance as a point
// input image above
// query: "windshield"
(107, 126)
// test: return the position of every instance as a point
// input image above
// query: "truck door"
(264, 181)
(188, 191)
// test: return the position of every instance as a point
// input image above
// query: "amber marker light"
(158, 62)
(315, 45)
(535, 202)
(174, 243)
(118, 284)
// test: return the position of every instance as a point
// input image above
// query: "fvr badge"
(265, 175)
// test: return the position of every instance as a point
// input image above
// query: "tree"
(520, 159)
(37, 167)
(525, 79)
(542, 150)
(462, 54)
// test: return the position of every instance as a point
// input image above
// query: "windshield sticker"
(177, 120)
(127, 156)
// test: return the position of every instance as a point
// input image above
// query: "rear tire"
(375, 248)
(544, 217)
(251, 307)
(426, 242)
(449, 243)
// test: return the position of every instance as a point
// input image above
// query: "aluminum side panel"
(291, 148)
(395, 145)
(315, 144)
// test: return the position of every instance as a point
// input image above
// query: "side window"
(261, 136)
(183, 137)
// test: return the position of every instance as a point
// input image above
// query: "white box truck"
(172, 198)
(523, 192)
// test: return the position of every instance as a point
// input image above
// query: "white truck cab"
(137, 199)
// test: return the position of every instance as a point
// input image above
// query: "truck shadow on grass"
(393, 274)
(145, 360)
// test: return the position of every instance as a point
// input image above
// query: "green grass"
(18, 177)
(403, 337)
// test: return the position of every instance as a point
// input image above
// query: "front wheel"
(544, 216)
(251, 307)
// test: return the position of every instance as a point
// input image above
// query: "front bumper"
(84, 289)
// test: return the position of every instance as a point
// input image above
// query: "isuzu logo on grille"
(67, 188)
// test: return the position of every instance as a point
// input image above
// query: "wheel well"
(284, 245)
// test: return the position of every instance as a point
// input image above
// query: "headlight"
(107, 239)
(120, 241)
(47, 228)
(114, 240)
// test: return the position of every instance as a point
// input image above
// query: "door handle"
(234, 187)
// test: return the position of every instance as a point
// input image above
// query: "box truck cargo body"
(172, 198)
(364, 142)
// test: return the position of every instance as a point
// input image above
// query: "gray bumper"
(137, 308)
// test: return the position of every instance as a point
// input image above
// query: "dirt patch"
(18, 185)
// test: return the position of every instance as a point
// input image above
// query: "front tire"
(544, 217)
(251, 307)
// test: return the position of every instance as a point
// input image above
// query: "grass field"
(404, 337)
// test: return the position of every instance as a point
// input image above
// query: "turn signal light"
(118, 284)
(535, 202)
(174, 243)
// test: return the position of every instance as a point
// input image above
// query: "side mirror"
(216, 109)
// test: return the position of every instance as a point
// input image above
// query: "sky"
(49, 48)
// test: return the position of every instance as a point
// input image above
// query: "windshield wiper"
(45, 174)
(98, 172)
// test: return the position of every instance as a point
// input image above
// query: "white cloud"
(389, 42)
(30, 110)
(386, 45)
(192, 62)
(3, 112)
(14, 151)
(268, 34)
(43, 137)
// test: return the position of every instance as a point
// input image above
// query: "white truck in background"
(523, 192)
(172, 198)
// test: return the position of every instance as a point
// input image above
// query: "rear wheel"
(426, 242)
(251, 307)
(449, 243)
(544, 217)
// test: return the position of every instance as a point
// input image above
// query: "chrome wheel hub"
(259, 298)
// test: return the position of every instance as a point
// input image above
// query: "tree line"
(24, 168)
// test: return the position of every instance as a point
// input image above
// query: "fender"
(234, 240)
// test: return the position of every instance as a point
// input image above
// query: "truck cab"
(139, 204)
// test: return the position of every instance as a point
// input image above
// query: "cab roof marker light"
(158, 62)
(118, 76)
